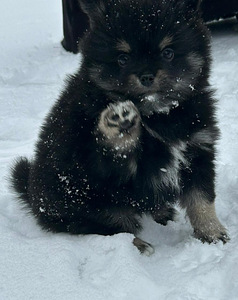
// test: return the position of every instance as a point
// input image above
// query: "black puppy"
(134, 130)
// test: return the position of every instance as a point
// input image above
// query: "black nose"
(147, 79)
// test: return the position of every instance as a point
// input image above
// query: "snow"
(39, 265)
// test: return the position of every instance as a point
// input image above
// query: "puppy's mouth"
(155, 103)
(154, 96)
(137, 88)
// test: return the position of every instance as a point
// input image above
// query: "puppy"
(134, 131)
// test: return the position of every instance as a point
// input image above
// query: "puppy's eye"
(123, 60)
(168, 54)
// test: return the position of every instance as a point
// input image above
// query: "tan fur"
(123, 46)
(139, 88)
(120, 142)
(202, 215)
(165, 42)
(144, 248)
(160, 76)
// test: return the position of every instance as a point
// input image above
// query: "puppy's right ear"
(95, 9)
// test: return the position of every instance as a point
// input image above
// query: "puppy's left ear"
(95, 9)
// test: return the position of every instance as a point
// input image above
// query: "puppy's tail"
(20, 176)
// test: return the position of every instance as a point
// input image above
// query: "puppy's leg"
(201, 212)
(127, 221)
(164, 214)
(116, 220)
(144, 247)
(199, 190)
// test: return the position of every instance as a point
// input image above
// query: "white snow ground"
(38, 265)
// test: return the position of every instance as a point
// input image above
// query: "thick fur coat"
(134, 130)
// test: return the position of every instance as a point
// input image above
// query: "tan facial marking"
(123, 46)
(160, 75)
(165, 42)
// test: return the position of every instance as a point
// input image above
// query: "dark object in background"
(216, 9)
(75, 21)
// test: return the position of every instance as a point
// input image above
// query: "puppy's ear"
(95, 9)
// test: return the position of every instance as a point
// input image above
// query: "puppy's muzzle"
(147, 79)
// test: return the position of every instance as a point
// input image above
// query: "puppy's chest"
(161, 169)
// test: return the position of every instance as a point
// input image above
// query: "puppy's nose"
(147, 79)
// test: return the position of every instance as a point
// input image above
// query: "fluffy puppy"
(134, 131)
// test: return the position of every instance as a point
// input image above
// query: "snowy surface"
(38, 265)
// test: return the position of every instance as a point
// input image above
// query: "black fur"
(76, 183)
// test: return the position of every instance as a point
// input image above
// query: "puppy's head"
(154, 51)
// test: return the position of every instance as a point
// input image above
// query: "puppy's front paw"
(203, 218)
(119, 124)
(119, 118)
(213, 234)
